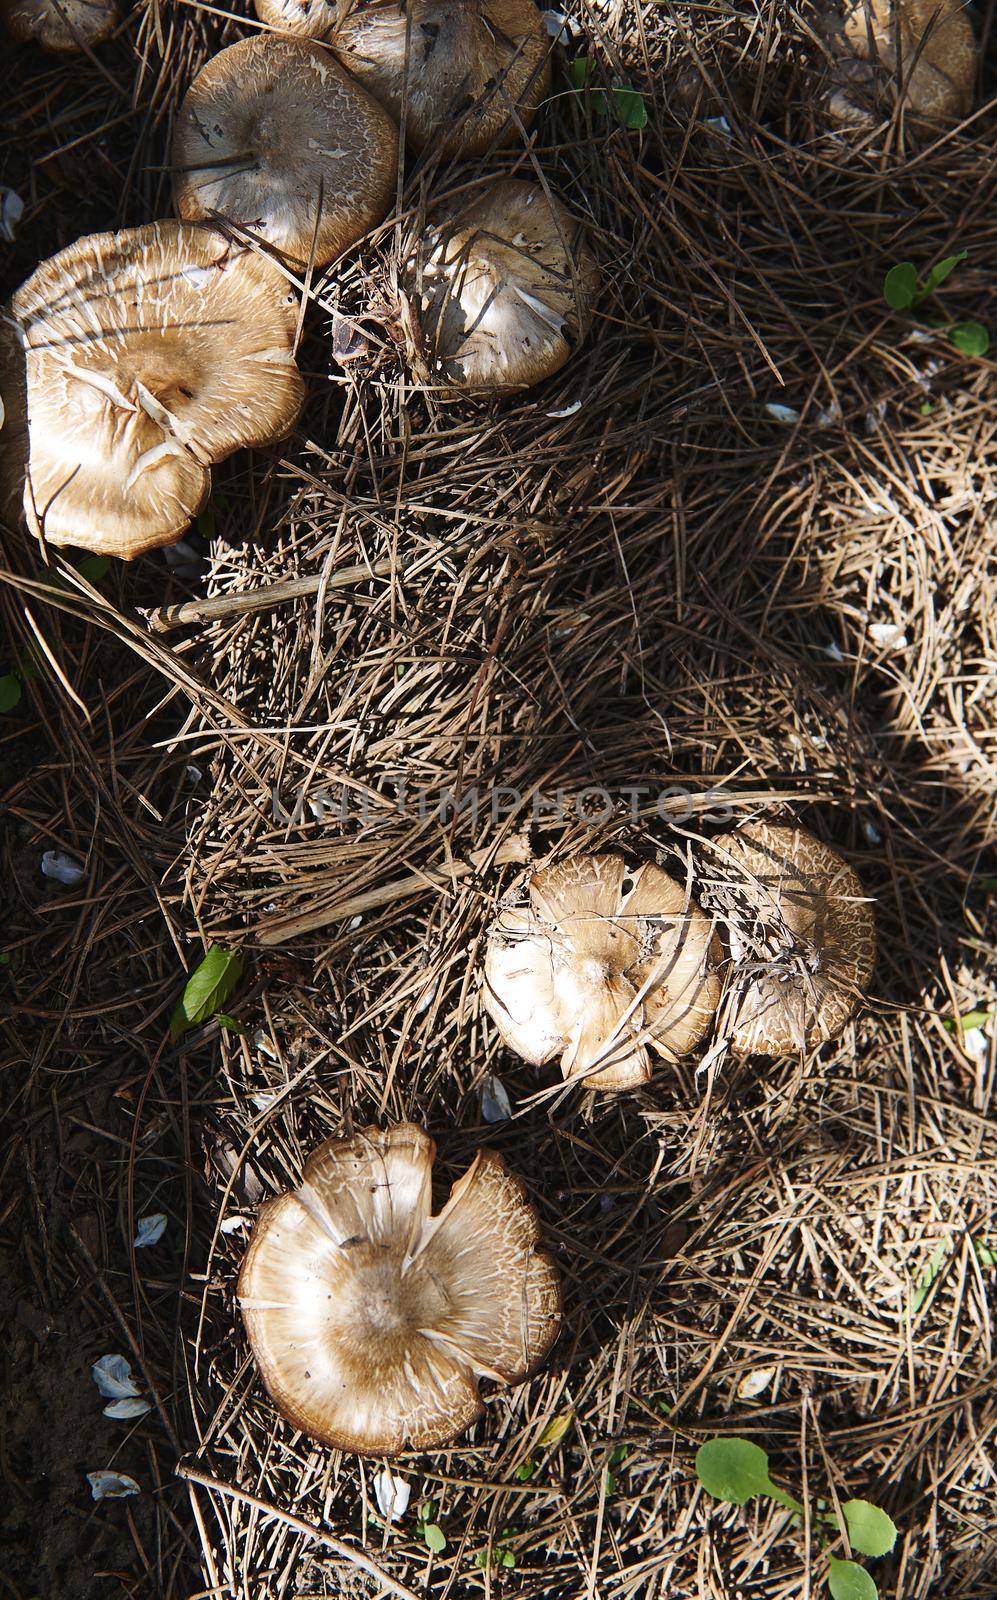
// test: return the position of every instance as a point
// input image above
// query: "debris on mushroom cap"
(274, 137)
(923, 48)
(802, 938)
(306, 19)
(144, 356)
(469, 73)
(508, 287)
(370, 1319)
(601, 966)
(60, 25)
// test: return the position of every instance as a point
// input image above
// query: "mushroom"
(924, 48)
(601, 966)
(61, 26)
(507, 288)
(802, 938)
(145, 356)
(275, 138)
(469, 74)
(305, 19)
(371, 1320)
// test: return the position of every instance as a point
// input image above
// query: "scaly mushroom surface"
(601, 967)
(370, 1319)
(505, 290)
(802, 938)
(470, 73)
(144, 356)
(60, 26)
(921, 51)
(275, 138)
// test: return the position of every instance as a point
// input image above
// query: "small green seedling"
(617, 1457)
(430, 1532)
(904, 290)
(206, 991)
(736, 1470)
(624, 104)
(526, 1469)
(500, 1554)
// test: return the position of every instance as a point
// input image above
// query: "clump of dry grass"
(663, 588)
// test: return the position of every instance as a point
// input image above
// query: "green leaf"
(579, 72)
(481, 1558)
(93, 568)
(900, 286)
(941, 270)
(926, 408)
(869, 1530)
(618, 1454)
(556, 1428)
(969, 1019)
(848, 1581)
(971, 338)
(733, 1470)
(428, 1510)
(434, 1536)
(10, 691)
(628, 107)
(207, 989)
(936, 1262)
(608, 1481)
(506, 1558)
(525, 1470)
(984, 1255)
(231, 1023)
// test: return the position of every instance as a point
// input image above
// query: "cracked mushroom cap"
(802, 938)
(275, 138)
(305, 19)
(470, 73)
(370, 1319)
(600, 967)
(148, 355)
(61, 26)
(507, 290)
(927, 46)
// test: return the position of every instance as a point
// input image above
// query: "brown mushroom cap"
(148, 354)
(811, 930)
(61, 26)
(370, 1319)
(273, 136)
(927, 46)
(469, 73)
(507, 287)
(600, 965)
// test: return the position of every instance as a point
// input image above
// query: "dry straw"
(639, 575)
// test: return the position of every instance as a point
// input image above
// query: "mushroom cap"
(930, 43)
(469, 72)
(61, 26)
(270, 131)
(807, 904)
(508, 286)
(601, 966)
(148, 354)
(371, 1320)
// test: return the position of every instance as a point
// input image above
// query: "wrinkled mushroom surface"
(147, 355)
(470, 73)
(305, 19)
(61, 26)
(370, 1319)
(505, 290)
(600, 967)
(275, 138)
(920, 50)
(802, 938)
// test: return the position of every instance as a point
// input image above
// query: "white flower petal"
(150, 1229)
(113, 1377)
(111, 1485)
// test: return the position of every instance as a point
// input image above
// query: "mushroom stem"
(348, 1552)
